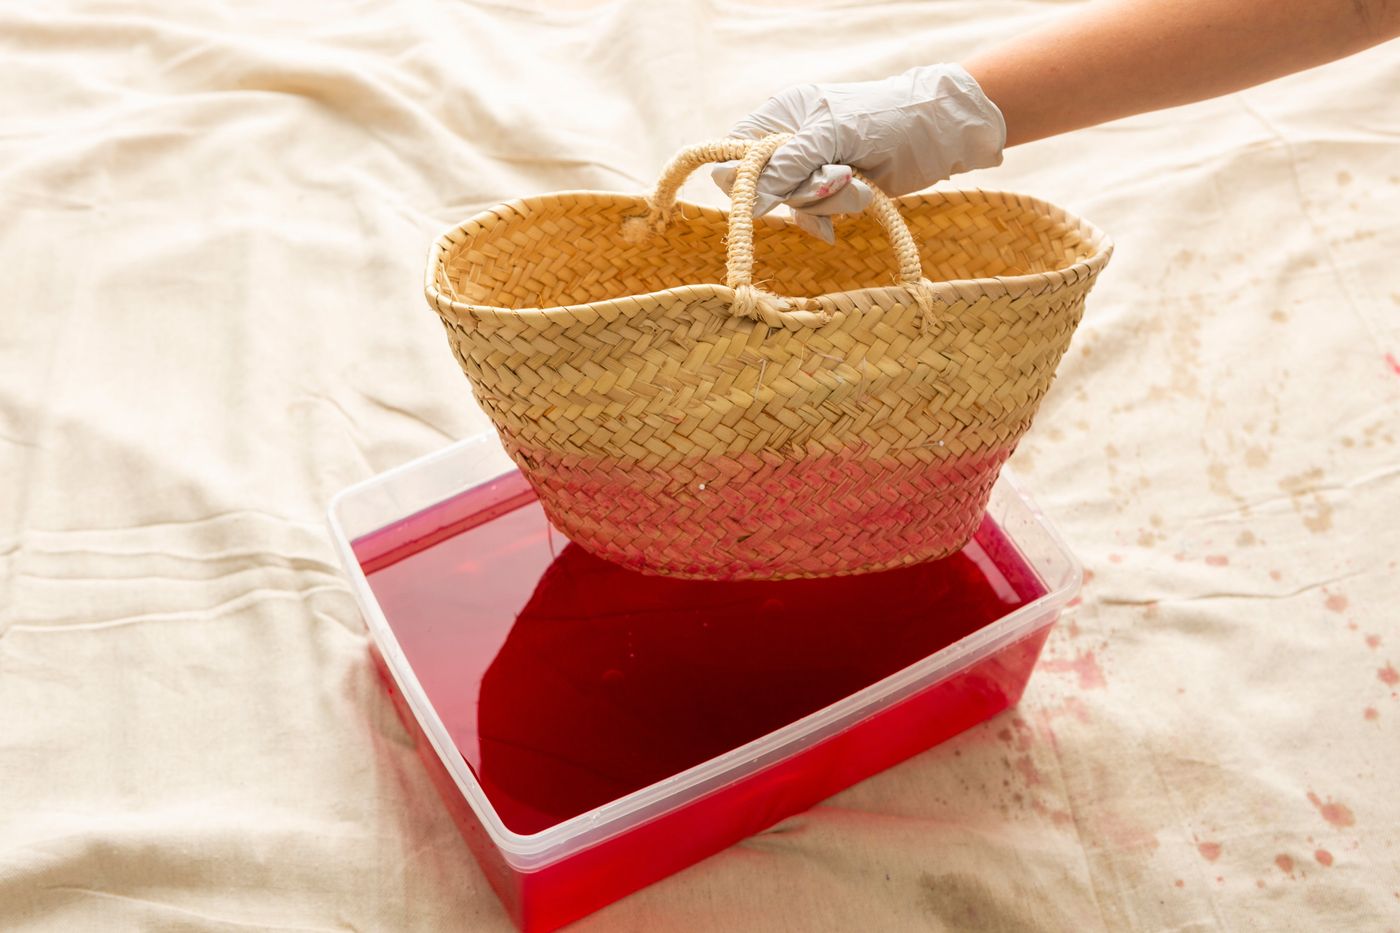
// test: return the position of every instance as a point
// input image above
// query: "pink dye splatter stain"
(1084, 664)
(1324, 858)
(1393, 363)
(1058, 817)
(1217, 560)
(1336, 602)
(1373, 641)
(1116, 558)
(1210, 851)
(1180, 883)
(1028, 770)
(1022, 738)
(1338, 814)
(1072, 706)
(1371, 713)
(1122, 834)
(1275, 575)
(1388, 675)
(1285, 864)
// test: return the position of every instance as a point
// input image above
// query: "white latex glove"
(904, 133)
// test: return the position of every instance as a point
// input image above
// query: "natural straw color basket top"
(695, 393)
(584, 255)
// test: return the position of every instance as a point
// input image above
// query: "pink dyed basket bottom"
(819, 516)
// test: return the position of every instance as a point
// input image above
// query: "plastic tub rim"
(534, 851)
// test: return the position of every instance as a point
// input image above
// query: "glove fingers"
(781, 113)
(777, 115)
(755, 126)
(831, 190)
(723, 174)
(849, 200)
(824, 182)
(763, 203)
(815, 224)
(795, 160)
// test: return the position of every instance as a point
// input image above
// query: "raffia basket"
(850, 415)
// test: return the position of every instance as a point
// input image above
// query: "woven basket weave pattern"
(857, 428)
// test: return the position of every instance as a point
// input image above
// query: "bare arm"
(1116, 58)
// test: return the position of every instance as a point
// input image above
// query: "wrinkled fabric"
(217, 217)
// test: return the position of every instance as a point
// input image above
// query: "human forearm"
(1120, 57)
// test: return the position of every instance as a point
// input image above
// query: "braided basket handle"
(753, 155)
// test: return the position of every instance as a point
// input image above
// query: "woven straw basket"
(849, 415)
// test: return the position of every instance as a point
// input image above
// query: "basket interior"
(571, 250)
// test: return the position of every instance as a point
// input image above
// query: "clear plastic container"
(593, 731)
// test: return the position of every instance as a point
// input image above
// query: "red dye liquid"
(567, 682)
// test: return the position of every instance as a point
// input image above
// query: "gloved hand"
(904, 133)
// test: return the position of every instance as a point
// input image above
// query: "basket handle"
(753, 155)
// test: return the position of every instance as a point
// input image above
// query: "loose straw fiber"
(848, 412)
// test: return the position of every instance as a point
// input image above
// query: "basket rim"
(818, 310)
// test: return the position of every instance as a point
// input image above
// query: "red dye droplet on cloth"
(1084, 664)
(1338, 814)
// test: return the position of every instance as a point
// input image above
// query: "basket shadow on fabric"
(855, 424)
(610, 680)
